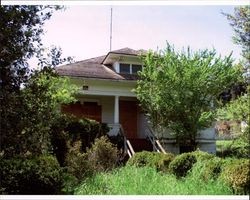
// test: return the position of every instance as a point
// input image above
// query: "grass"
(223, 144)
(130, 180)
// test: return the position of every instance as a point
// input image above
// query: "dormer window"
(129, 68)
(124, 68)
(136, 68)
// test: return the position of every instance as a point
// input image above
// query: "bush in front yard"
(38, 175)
(207, 169)
(202, 155)
(67, 130)
(103, 155)
(182, 164)
(236, 174)
(77, 162)
(156, 160)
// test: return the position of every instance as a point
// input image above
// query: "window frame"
(139, 68)
(130, 66)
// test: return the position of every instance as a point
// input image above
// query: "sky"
(83, 31)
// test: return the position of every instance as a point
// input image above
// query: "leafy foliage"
(238, 148)
(36, 112)
(179, 91)
(201, 155)
(236, 173)
(182, 164)
(77, 162)
(29, 99)
(103, 155)
(240, 23)
(68, 130)
(236, 110)
(37, 175)
(156, 160)
(207, 169)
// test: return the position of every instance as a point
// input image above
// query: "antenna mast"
(111, 12)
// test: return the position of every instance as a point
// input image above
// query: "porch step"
(140, 144)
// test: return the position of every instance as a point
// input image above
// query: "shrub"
(38, 175)
(70, 182)
(77, 162)
(85, 130)
(70, 129)
(157, 160)
(103, 155)
(59, 138)
(238, 147)
(202, 156)
(207, 169)
(182, 164)
(236, 174)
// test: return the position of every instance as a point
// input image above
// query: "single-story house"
(106, 94)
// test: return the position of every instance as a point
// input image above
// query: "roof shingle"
(93, 68)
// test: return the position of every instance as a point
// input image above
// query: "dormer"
(124, 61)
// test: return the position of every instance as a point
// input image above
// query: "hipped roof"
(93, 68)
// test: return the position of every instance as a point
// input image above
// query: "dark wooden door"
(128, 117)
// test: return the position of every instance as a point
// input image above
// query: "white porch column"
(116, 110)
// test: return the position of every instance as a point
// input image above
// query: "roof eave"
(103, 79)
(126, 54)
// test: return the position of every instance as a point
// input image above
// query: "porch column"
(116, 110)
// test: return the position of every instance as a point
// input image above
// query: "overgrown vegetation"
(155, 160)
(45, 152)
(31, 175)
(192, 173)
(179, 90)
(236, 174)
(147, 181)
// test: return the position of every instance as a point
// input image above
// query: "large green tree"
(179, 90)
(240, 21)
(28, 97)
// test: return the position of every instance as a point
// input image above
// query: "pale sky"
(83, 31)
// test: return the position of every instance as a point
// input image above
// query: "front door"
(128, 117)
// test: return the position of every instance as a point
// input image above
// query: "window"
(129, 68)
(136, 68)
(124, 68)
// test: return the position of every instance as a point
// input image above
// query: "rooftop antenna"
(111, 15)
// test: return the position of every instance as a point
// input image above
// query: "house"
(106, 95)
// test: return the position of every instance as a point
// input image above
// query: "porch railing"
(128, 149)
(154, 140)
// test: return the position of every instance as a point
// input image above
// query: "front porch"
(112, 110)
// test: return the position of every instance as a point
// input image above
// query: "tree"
(238, 108)
(179, 91)
(240, 22)
(20, 39)
(28, 98)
